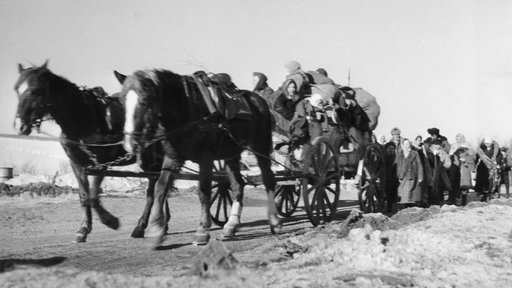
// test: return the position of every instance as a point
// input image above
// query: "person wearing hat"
(463, 158)
(504, 170)
(435, 134)
(396, 138)
(488, 156)
(409, 171)
(260, 86)
(300, 78)
(439, 162)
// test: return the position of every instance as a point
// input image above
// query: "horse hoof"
(138, 232)
(80, 238)
(229, 232)
(201, 239)
(276, 229)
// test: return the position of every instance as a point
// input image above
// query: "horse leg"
(270, 184)
(142, 224)
(202, 235)
(105, 217)
(83, 186)
(158, 216)
(237, 184)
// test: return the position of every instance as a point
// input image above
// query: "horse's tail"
(263, 123)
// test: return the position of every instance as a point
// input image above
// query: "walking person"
(465, 156)
(391, 179)
(488, 156)
(504, 170)
(410, 175)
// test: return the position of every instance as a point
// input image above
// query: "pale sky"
(436, 63)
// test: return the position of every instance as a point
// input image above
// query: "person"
(464, 158)
(300, 78)
(287, 99)
(419, 147)
(392, 179)
(374, 139)
(438, 161)
(504, 170)
(259, 81)
(382, 139)
(409, 171)
(418, 142)
(486, 168)
(396, 138)
(435, 134)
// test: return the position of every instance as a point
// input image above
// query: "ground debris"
(36, 189)
(386, 279)
(357, 219)
(214, 259)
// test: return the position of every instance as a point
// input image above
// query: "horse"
(92, 131)
(198, 132)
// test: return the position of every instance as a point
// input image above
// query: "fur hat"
(437, 141)
(434, 131)
(396, 129)
(504, 149)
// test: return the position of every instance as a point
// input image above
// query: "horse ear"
(45, 64)
(20, 68)
(120, 77)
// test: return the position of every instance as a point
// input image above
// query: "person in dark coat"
(488, 156)
(391, 179)
(287, 100)
(300, 78)
(504, 167)
(435, 134)
(261, 87)
(438, 161)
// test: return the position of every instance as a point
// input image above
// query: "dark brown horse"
(196, 131)
(92, 132)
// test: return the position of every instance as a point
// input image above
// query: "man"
(434, 134)
(259, 81)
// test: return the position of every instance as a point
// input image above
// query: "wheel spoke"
(225, 207)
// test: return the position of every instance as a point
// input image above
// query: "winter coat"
(410, 174)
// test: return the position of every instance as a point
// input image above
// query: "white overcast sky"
(436, 63)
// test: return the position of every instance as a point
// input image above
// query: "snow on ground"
(444, 246)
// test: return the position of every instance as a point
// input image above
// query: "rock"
(214, 258)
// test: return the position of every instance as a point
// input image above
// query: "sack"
(317, 78)
(370, 107)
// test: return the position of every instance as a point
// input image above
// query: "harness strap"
(206, 95)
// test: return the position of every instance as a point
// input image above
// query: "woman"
(488, 155)
(463, 158)
(287, 100)
(410, 175)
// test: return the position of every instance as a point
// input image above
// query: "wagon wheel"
(287, 199)
(221, 201)
(371, 184)
(321, 182)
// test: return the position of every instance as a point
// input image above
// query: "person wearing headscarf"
(261, 87)
(300, 78)
(488, 156)
(287, 99)
(463, 159)
(409, 171)
(396, 138)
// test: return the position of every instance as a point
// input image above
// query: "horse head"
(33, 98)
(140, 98)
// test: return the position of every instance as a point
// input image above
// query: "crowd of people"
(435, 172)
(420, 172)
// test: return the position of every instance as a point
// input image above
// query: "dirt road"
(41, 230)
